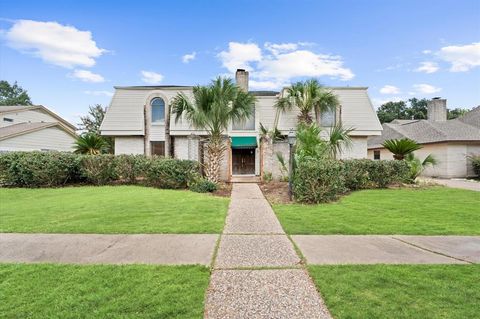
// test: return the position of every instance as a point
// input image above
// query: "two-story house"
(138, 119)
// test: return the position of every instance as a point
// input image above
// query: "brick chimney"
(241, 77)
(437, 110)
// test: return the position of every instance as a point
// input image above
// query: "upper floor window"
(327, 118)
(246, 125)
(158, 110)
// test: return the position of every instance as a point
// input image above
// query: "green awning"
(244, 141)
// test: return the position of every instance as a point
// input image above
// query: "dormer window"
(158, 110)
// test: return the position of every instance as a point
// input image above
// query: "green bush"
(202, 185)
(171, 173)
(131, 167)
(475, 159)
(357, 173)
(317, 181)
(386, 172)
(99, 169)
(39, 169)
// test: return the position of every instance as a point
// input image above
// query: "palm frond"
(401, 147)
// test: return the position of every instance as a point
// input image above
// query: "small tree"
(13, 94)
(213, 108)
(91, 124)
(401, 147)
(417, 166)
(91, 144)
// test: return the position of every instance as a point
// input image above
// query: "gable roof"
(24, 128)
(424, 131)
(24, 108)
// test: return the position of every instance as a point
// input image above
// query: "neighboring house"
(34, 128)
(136, 119)
(449, 141)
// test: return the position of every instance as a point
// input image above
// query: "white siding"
(157, 132)
(358, 149)
(51, 138)
(26, 116)
(129, 145)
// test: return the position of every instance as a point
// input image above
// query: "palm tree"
(339, 138)
(90, 143)
(213, 108)
(417, 166)
(308, 96)
(401, 147)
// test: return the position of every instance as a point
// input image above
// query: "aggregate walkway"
(257, 273)
(456, 183)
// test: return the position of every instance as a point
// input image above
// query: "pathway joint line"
(432, 251)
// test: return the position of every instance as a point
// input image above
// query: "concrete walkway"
(253, 239)
(456, 183)
(107, 249)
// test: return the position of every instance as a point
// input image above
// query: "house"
(449, 141)
(137, 119)
(34, 128)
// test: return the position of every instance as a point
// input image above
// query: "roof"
(152, 87)
(424, 131)
(24, 128)
(264, 93)
(23, 108)
(472, 117)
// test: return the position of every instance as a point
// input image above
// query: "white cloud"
(239, 56)
(87, 76)
(280, 63)
(426, 88)
(427, 51)
(266, 85)
(462, 58)
(99, 93)
(377, 102)
(54, 43)
(189, 57)
(428, 67)
(150, 77)
(389, 89)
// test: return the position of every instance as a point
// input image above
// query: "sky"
(70, 54)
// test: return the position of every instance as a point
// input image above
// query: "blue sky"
(70, 54)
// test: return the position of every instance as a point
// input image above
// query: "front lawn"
(399, 291)
(407, 211)
(101, 291)
(110, 210)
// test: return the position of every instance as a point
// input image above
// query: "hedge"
(317, 181)
(49, 169)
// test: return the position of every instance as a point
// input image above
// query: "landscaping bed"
(102, 291)
(406, 211)
(110, 210)
(399, 291)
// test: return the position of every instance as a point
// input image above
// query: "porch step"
(245, 179)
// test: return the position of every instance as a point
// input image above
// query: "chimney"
(241, 77)
(437, 110)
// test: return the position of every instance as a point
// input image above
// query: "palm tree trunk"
(317, 116)
(167, 134)
(215, 150)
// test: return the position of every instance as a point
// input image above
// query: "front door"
(243, 161)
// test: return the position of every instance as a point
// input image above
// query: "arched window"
(158, 110)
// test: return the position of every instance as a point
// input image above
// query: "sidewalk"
(456, 183)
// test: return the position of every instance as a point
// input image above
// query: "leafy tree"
(92, 121)
(13, 94)
(213, 108)
(417, 109)
(417, 166)
(90, 143)
(401, 147)
(308, 96)
(457, 112)
(391, 111)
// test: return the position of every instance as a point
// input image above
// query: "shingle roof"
(424, 131)
(472, 117)
(264, 93)
(23, 108)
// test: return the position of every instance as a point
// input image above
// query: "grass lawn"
(400, 291)
(100, 291)
(110, 210)
(407, 211)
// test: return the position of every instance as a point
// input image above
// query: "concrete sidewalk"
(376, 249)
(107, 249)
(456, 183)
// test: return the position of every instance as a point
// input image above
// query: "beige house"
(136, 118)
(34, 128)
(449, 141)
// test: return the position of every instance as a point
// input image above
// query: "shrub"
(202, 185)
(37, 169)
(475, 159)
(317, 181)
(267, 177)
(171, 173)
(130, 167)
(99, 169)
(386, 172)
(356, 173)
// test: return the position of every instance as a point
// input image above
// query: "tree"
(417, 109)
(92, 121)
(213, 108)
(308, 96)
(455, 113)
(90, 143)
(401, 147)
(391, 111)
(417, 166)
(13, 94)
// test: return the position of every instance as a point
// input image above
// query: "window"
(376, 155)
(327, 118)
(158, 148)
(247, 125)
(158, 110)
(6, 119)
